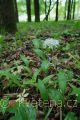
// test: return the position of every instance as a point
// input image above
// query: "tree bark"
(57, 14)
(47, 15)
(74, 5)
(16, 10)
(28, 6)
(37, 10)
(65, 11)
(8, 15)
(69, 10)
(45, 7)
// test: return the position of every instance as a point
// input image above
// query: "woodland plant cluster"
(39, 60)
(41, 83)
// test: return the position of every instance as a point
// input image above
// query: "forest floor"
(29, 73)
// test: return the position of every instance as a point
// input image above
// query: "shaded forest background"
(14, 11)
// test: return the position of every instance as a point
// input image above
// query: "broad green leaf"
(40, 53)
(70, 116)
(29, 82)
(77, 64)
(35, 75)
(62, 81)
(24, 112)
(28, 70)
(54, 95)
(48, 113)
(69, 75)
(76, 91)
(42, 90)
(63, 78)
(14, 78)
(3, 105)
(25, 60)
(67, 47)
(16, 117)
(47, 79)
(45, 65)
(37, 43)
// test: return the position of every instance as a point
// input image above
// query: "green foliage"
(24, 112)
(13, 78)
(55, 95)
(42, 90)
(1, 43)
(4, 105)
(70, 116)
(37, 43)
(63, 78)
(47, 79)
(76, 91)
(40, 53)
(56, 79)
(45, 65)
(67, 47)
(1, 39)
(35, 75)
(25, 60)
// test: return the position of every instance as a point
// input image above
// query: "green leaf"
(35, 75)
(24, 112)
(14, 78)
(48, 113)
(63, 78)
(3, 105)
(37, 43)
(76, 91)
(70, 116)
(28, 70)
(47, 79)
(45, 65)
(42, 90)
(69, 75)
(40, 53)
(25, 60)
(54, 95)
(67, 47)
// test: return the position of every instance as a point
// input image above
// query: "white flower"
(22, 96)
(50, 42)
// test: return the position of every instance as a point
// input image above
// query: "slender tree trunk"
(48, 10)
(72, 1)
(45, 7)
(65, 11)
(0, 18)
(69, 10)
(8, 15)
(16, 10)
(74, 5)
(57, 14)
(28, 6)
(37, 10)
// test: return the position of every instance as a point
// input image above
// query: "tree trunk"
(65, 11)
(37, 10)
(74, 5)
(8, 15)
(0, 18)
(69, 10)
(16, 10)
(28, 6)
(57, 14)
(45, 7)
(47, 15)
